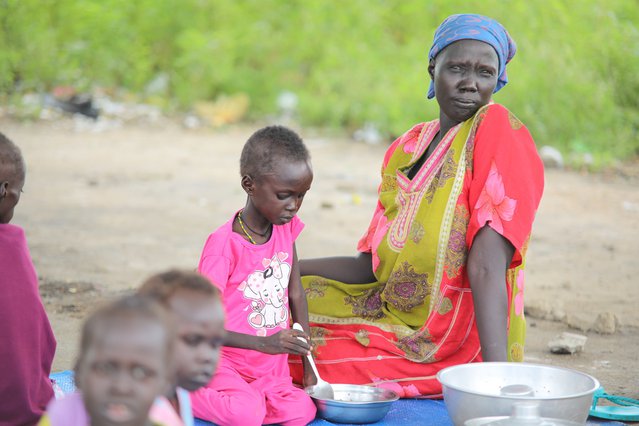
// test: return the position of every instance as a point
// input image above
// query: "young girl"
(252, 260)
(124, 364)
(27, 344)
(198, 317)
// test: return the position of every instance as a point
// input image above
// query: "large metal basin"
(354, 403)
(477, 390)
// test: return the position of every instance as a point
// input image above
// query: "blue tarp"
(405, 412)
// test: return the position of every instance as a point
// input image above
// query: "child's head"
(276, 173)
(199, 321)
(124, 362)
(12, 174)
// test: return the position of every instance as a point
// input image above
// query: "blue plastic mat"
(403, 412)
(63, 381)
(407, 412)
(424, 412)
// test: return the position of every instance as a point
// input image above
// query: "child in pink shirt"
(253, 261)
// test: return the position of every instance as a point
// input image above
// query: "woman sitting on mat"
(439, 277)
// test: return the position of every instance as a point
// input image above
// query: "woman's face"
(465, 75)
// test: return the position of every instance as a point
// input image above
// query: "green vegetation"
(574, 80)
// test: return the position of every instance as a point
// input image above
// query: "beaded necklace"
(239, 219)
(246, 226)
(261, 234)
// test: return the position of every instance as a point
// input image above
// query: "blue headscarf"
(469, 26)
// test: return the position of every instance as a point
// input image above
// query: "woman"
(439, 276)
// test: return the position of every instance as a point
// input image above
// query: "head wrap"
(474, 27)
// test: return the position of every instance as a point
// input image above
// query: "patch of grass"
(574, 80)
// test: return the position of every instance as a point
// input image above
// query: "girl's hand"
(286, 342)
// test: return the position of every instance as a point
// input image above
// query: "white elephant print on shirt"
(267, 291)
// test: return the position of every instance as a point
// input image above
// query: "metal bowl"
(354, 403)
(493, 388)
(525, 413)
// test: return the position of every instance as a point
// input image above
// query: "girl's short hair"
(161, 287)
(128, 307)
(11, 161)
(267, 146)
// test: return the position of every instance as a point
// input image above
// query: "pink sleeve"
(216, 269)
(507, 179)
(296, 227)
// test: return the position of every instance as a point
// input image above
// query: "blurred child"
(253, 261)
(123, 365)
(27, 344)
(198, 318)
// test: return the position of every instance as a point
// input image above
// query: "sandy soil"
(104, 210)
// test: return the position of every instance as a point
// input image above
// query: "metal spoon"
(322, 389)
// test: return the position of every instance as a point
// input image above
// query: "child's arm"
(296, 295)
(299, 311)
(282, 342)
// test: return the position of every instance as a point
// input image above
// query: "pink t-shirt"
(254, 282)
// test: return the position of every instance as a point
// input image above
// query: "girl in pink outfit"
(253, 261)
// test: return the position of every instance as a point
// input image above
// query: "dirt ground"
(103, 210)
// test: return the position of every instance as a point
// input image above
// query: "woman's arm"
(347, 269)
(488, 260)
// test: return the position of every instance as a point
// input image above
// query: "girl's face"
(123, 371)
(278, 196)
(200, 333)
(465, 75)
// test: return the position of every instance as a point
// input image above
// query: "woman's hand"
(285, 342)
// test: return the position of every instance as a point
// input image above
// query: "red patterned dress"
(418, 317)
